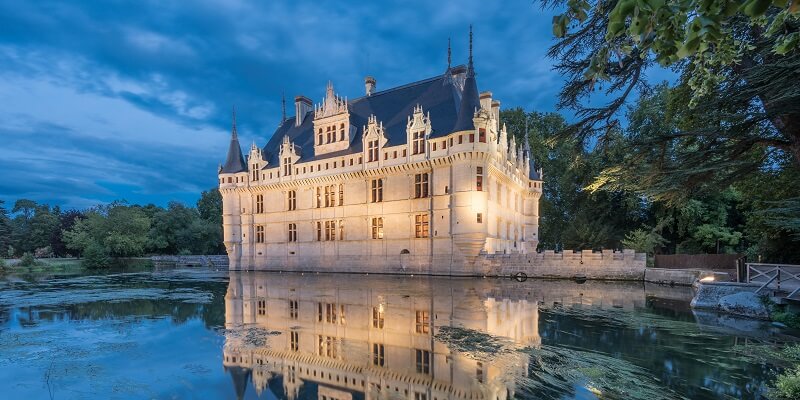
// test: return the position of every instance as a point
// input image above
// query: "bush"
(3, 263)
(27, 261)
(787, 385)
(95, 256)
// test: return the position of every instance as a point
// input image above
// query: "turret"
(234, 163)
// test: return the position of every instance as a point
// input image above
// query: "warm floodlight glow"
(707, 279)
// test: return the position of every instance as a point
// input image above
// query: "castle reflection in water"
(327, 337)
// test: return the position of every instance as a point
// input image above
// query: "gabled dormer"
(287, 157)
(256, 161)
(374, 139)
(332, 130)
(418, 129)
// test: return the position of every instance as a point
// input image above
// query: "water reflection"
(321, 336)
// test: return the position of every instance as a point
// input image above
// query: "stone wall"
(219, 261)
(625, 265)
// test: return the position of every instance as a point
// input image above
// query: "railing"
(786, 274)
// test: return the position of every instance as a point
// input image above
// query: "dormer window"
(255, 172)
(319, 136)
(372, 151)
(418, 146)
(341, 132)
(287, 166)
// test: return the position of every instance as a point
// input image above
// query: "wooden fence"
(780, 277)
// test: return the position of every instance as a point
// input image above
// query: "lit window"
(422, 321)
(377, 228)
(421, 225)
(377, 317)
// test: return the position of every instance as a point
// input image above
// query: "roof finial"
(234, 135)
(283, 106)
(470, 69)
(449, 53)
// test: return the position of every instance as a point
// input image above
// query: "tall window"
(377, 317)
(319, 136)
(418, 142)
(330, 230)
(261, 307)
(333, 313)
(377, 354)
(292, 237)
(479, 372)
(377, 228)
(255, 172)
(377, 190)
(293, 307)
(421, 185)
(482, 135)
(319, 197)
(341, 132)
(479, 179)
(372, 151)
(341, 194)
(259, 204)
(259, 233)
(295, 340)
(423, 361)
(287, 166)
(319, 231)
(422, 321)
(421, 225)
(327, 346)
(291, 200)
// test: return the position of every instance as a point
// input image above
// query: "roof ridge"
(404, 86)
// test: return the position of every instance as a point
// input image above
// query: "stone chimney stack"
(370, 85)
(302, 105)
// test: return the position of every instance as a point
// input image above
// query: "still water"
(202, 334)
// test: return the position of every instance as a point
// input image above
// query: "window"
(421, 225)
(482, 135)
(423, 361)
(377, 317)
(418, 142)
(372, 151)
(287, 166)
(341, 194)
(472, 138)
(292, 237)
(259, 204)
(480, 218)
(330, 230)
(327, 346)
(259, 233)
(460, 139)
(293, 307)
(444, 144)
(319, 231)
(434, 146)
(319, 136)
(295, 340)
(255, 172)
(479, 179)
(334, 313)
(423, 319)
(291, 200)
(479, 372)
(377, 190)
(377, 228)
(421, 185)
(319, 198)
(341, 133)
(261, 307)
(377, 354)
(420, 396)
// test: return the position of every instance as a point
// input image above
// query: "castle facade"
(420, 177)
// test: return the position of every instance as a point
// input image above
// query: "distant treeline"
(113, 230)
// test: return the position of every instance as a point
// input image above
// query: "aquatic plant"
(787, 385)
(27, 261)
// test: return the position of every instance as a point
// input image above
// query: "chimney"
(496, 112)
(486, 100)
(370, 84)
(302, 105)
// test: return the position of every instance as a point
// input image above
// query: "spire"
(470, 102)
(283, 107)
(449, 54)
(470, 67)
(235, 160)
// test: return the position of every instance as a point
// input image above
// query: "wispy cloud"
(132, 99)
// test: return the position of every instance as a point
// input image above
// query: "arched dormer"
(418, 129)
(288, 156)
(256, 162)
(374, 139)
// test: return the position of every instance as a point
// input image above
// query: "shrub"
(787, 385)
(95, 256)
(2, 263)
(27, 261)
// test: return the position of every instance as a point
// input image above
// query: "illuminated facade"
(423, 176)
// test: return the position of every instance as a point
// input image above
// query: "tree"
(739, 65)
(33, 227)
(167, 223)
(5, 229)
(121, 231)
(210, 206)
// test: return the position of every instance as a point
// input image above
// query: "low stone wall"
(609, 265)
(218, 261)
(682, 277)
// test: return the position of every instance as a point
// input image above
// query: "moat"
(199, 333)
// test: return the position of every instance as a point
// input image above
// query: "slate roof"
(439, 96)
(235, 161)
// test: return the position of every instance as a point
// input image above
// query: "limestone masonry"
(420, 178)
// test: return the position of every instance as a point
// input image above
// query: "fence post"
(748, 272)
(779, 277)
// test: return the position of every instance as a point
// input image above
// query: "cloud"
(132, 99)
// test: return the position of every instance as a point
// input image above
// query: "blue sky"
(131, 100)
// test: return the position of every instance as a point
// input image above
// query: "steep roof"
(235, 161)
(439, 96)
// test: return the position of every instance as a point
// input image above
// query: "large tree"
(738, 63)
